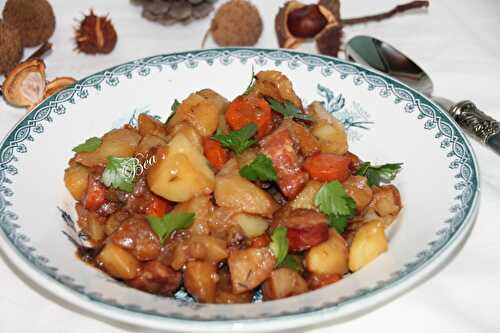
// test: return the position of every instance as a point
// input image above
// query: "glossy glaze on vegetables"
(226, 250)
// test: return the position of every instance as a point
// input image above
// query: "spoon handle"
(477, 123)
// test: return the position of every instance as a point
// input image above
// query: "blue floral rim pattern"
(447, 136)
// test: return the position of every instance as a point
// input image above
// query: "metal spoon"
(387, 59)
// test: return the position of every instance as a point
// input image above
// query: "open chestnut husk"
(285, 37)
(25, 85)
(306, 22)
(57, 85)
(296, 21)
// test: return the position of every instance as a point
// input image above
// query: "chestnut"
(306, 21)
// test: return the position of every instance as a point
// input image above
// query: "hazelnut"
(306, 22)
(25, 85)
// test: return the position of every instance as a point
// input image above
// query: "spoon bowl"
(377, 54)
(387, 59)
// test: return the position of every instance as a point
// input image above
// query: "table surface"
(456, 41)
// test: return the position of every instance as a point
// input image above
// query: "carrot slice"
(305, 238)
(328, 167)
(215, 153)
(158, 207)
(260, 241)
(96, 195)
(250, 109)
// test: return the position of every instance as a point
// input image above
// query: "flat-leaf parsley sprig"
(333, 201)
(165, 226)
(377, 174)
(238, 141)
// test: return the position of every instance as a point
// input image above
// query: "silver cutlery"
(385, 58)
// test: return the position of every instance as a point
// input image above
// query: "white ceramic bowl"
(387, 122)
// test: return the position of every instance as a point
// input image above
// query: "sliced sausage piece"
(316, 281)
(282, 283)
(300, 218)
(307, 142)
(250, 267)
(136, 235)
(157, 278)
(200, 280)
(279, 147)
(306, 227)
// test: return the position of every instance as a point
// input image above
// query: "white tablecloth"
(457, 41)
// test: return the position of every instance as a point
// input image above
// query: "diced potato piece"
(223, 126)
(202, 207)
(149, 141)
(276, 85)
(250, 267)
(305, 199)
(357, 188)
(200, 280)
(175, 178)
(181, 171)
(201, 110)
(189, 131)
(76, 179)
(246, 157)
(236, 192)
(148, 125)
(317, 110)
(282, 283)
(215, 99)
(118, 143)
(114, 221)
(118, 262)
(230, 168)
(328, 257)
(95, 228)
(208, 248)
(251, 225)
(332, 136)
(386, 200)
(368, 243)
(228, 297)
(225, 294)
(182, 144)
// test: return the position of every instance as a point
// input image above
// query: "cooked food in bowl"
(227, 199)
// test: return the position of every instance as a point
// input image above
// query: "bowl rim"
(62, 289)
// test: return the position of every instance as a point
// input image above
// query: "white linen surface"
(457, 42)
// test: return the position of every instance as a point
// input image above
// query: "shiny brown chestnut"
(306, 21)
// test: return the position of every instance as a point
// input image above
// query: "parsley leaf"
(279, 244)
(379, 174)
(293, 262)
(333, 201)
(90, 145)
(261, 169)
(175, 105)
(288, 110)
(165, 226)
(338, 222)
(239, 140)
(120, 173)
(251, 85)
